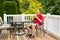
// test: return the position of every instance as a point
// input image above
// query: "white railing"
(51, 22)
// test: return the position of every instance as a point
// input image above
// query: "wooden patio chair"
(4, 25)
(40, 28)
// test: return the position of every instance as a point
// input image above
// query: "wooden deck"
(6, 36)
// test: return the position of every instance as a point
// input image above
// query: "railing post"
(47, 21)
(5, 18)
(23, 17)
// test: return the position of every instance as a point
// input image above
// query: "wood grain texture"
(6, 36)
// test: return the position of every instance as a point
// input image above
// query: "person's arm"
(38, 18)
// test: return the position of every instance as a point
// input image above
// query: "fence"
(51, 22)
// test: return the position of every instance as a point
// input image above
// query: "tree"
(51, 6)
(10, 8)
(1, 8)
(18, 11)
(9, 0)
(29, 6)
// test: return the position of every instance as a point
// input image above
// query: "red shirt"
(35, 20)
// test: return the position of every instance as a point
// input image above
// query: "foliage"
(10, 8)
(1, 8)
(29, 6)
(51, 6)
(18, 11)
(9, 0)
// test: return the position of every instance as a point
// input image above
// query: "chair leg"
(0, 31)
(36, 32)
(10, 32)
(43, 30)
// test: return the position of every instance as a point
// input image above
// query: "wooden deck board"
(6, 36)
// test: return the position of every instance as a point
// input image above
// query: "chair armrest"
(5, 26)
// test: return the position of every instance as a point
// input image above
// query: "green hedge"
(10, 8)
(9, 0)
(1, 1)
(1, 8)
(18, 7)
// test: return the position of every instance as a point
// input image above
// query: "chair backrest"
(17, 19)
